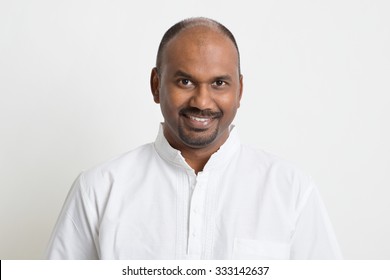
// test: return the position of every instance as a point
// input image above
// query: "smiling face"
(198, 87)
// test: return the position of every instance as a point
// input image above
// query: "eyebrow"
(224, 77)
(183, 74)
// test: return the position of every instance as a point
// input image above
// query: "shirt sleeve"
(75, 233)
(314, 237)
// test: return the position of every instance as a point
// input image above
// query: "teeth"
(199, 119)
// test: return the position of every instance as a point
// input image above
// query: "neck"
(196, 159)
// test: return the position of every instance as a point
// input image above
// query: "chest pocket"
(248, 249)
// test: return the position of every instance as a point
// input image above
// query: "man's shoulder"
(122, 163)
(260, 160)
(266, 158)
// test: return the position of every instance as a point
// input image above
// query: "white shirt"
(149, 204)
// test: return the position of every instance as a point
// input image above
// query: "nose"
(202, 98)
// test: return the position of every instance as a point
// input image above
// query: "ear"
(241, 85)
(155, 85)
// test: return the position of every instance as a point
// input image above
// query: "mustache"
(200, 113)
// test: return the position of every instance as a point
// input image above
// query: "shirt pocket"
(249, 249)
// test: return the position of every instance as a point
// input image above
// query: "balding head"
(189, 25)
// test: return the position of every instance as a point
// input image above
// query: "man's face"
(198, 87)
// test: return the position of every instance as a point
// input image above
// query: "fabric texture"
(150, 204)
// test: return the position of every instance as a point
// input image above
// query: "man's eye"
(184, 82)
(219, 83)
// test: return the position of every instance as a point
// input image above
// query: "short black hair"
(192, 22)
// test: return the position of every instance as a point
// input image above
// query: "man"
(196, 192)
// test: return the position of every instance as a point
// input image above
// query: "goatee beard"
(199, 140)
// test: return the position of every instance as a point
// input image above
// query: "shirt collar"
(218, 159)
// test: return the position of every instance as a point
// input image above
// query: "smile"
(199, 119)
(199, 122)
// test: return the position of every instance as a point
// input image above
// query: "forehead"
(200, 48)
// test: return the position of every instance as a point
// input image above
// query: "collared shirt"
(150, 204)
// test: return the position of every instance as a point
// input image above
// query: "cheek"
(173, 98)
(171, 102)
(229, 104)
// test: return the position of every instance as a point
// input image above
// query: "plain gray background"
(74, 84)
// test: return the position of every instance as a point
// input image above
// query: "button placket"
(195, 221)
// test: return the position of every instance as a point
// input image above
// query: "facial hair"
(198, 137)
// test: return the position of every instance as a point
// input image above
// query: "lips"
(199, 119)
(199, 122)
